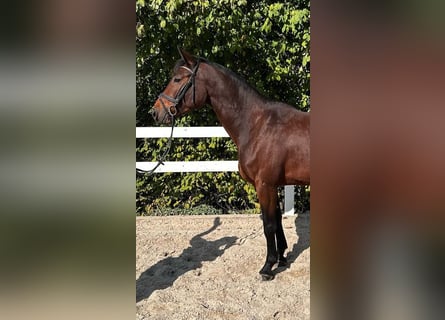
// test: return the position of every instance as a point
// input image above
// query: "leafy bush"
(266, 42)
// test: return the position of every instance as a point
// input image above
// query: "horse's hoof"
(282, 262)
(267, 277)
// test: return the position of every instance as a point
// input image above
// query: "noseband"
(172, 111)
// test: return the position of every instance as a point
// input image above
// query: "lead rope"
(162, 158)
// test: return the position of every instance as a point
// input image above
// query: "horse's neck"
(229, 103)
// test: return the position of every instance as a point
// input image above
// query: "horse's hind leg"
(281, 238)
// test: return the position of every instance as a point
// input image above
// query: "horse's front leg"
(267, 197)
(281, 238)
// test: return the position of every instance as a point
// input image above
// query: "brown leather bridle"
(173, 110)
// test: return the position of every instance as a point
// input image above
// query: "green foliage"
(266, 42)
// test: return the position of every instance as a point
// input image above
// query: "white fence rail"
(199, 166)
(181, 132)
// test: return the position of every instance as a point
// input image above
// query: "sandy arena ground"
(206, 267)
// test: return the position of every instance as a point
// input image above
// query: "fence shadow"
(165, 272)
(302, 228)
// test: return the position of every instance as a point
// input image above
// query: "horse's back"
(286, 122)
(297, 158)
(281, 145)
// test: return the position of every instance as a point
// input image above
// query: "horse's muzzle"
(154, 114)
(160, 117)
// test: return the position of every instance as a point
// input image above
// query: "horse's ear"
(187, 57)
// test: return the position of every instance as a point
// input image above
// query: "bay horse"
(272, 137)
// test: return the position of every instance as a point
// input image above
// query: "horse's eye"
(176, 79)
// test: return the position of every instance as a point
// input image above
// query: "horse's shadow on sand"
(165, 272)
(302, 227)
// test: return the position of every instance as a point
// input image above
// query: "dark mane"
(240, 81)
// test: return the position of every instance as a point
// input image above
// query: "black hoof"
(282, 262)
(267, 277)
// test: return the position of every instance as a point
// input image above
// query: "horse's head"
(184, 92)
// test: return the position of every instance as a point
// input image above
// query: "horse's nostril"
(153, 113)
